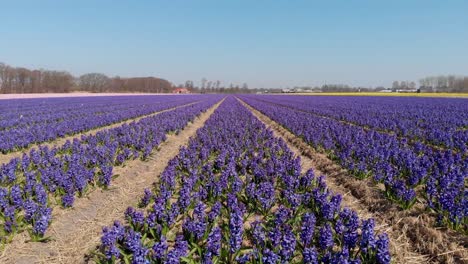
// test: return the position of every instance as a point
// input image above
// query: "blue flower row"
(236, 194)
(402, 167)
(49, 119)
(442, 122)
(32, 185)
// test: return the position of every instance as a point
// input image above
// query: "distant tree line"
(99, 83)
(22, 80)
(445, 83)
(207, 86)
(404, 85)
(342, 88)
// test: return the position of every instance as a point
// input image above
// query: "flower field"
(392, 141)
(27, 121)
(236, 194)
(235, 189)
(31, 185)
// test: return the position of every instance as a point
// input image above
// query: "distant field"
(314, 170)
(463, 95)
(74, 94)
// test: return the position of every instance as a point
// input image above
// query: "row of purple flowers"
(32, 185)
(236, 194)
(401, 166)
(442, 122)
(30, 121)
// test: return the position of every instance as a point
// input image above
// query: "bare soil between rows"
(4, 158)
(413, 237)
(76, 231)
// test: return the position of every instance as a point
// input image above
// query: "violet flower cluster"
(66, 172)
(400, 160)
(236, 194)
(441, 122)
(27, 121)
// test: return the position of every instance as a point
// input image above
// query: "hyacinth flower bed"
(31, 186)
(401, 166)
(236, 194)
(27, 112)
(27, 121)
(440, 122)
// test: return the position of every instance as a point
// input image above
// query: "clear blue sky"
(265, 43)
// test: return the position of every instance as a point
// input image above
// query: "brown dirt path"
(413, 238)
(4, 158)
(76, 231)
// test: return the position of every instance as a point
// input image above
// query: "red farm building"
(181, 91)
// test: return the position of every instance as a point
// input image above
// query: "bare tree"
(3, 72)
(403, 85)
(189, 84)
(203, 83)
(94, 82)
(56, 82)
(7, 78)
